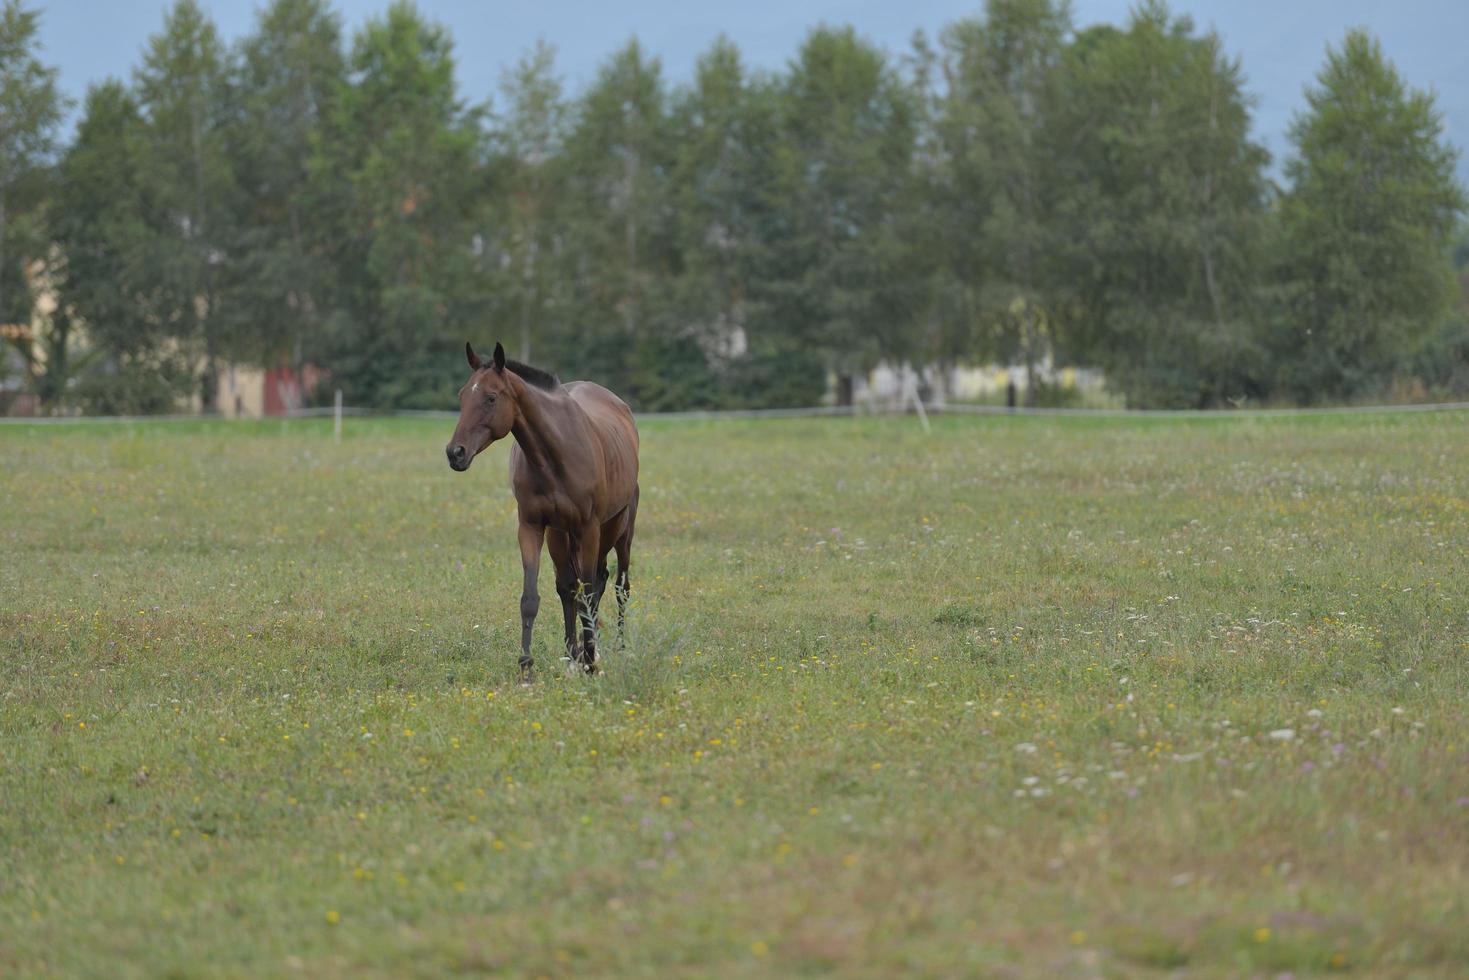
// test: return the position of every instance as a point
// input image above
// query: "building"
(249, 392)
(888, 384)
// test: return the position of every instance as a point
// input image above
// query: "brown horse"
(574, 470)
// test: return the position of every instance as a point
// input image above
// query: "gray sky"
(1282, 43)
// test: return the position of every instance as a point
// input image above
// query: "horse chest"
(553, 508)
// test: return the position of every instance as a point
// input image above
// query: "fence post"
(910, 386)
(337, 417)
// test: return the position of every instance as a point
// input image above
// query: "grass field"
(1024, 696)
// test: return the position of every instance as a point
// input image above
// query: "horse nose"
(455, 454)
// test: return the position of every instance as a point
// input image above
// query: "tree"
(619, 249)
(995, 123)
(730, 352)
(1366, 225)
(411, 158)
(716, 139)
(531, 136)
(1441, 364)
(30, 110)
(1160, 213)
(186, 170)
(108, 284)
(289, 76)
(841, 276)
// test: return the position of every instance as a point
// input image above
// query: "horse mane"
(534, 376)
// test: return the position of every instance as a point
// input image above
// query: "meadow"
(1021, 697)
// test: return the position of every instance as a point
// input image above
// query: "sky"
(1281, 43)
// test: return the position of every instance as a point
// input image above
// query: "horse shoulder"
(612, 423)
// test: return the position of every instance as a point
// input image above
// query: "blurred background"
(243, 210)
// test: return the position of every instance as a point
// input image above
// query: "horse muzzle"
(459, 457)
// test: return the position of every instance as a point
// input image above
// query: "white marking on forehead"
(476, 387)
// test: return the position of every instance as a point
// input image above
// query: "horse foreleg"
(561, 556)
(531, 539)
(566, 590)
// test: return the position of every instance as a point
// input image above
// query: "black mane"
(534, 375)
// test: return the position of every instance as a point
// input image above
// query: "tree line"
(1015, 189)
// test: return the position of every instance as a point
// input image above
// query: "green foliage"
(287, 82)
(671, 373)
(997, 177)
(839, 275)
(30, 112)
(618, 257)
(146, 383)
(724, 131)
(772, 377)
(411, 157)
(186, 174)
(678, 374)
(1366, 228)
(525, 220)
(1441, 364)
(1017, 191)
(1162, 213)
(102, 229)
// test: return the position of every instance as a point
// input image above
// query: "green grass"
(994, 700)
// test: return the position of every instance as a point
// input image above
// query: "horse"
(574, 472)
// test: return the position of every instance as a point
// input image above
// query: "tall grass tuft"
(639, 664)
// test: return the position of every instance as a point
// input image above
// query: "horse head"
(486, 409)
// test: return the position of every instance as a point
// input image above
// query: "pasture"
(1022, 696)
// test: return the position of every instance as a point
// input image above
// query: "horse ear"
(474, 360)
(499, 357)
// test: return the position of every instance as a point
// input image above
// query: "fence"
(338, 412)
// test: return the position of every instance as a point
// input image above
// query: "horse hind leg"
(588, 563)
(623, 547)
(623, 583)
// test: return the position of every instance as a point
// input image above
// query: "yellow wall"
(241, 392)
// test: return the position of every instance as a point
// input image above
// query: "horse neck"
(539, 428)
